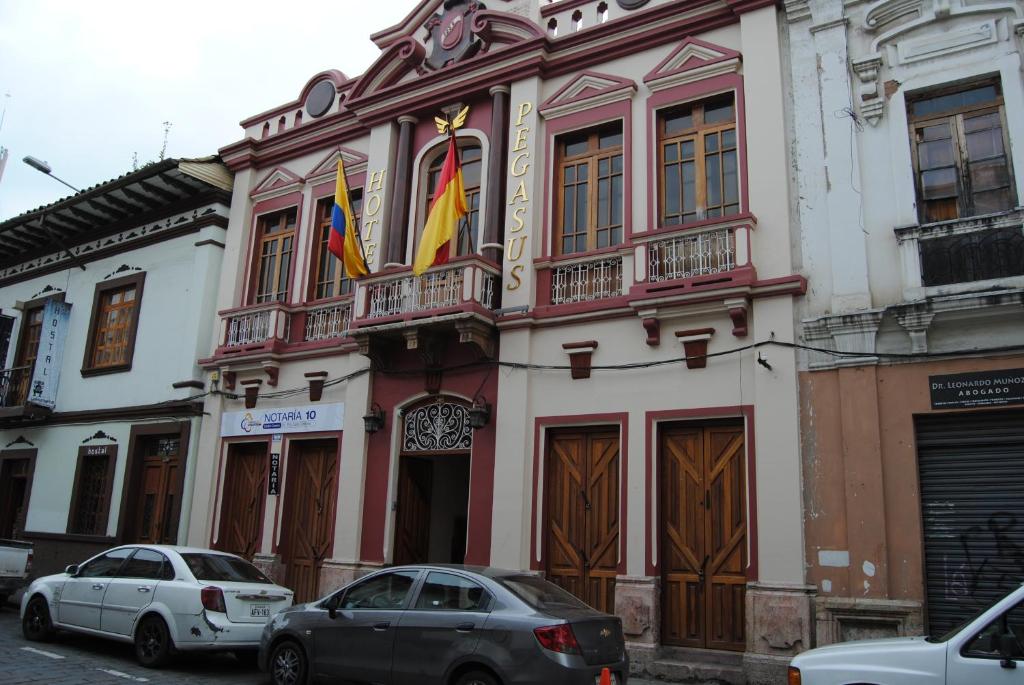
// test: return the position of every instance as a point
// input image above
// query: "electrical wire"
(629, 366)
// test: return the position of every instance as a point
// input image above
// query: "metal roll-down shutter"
(972, 503)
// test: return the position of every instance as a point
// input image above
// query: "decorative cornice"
(831, 24)
(588, 90)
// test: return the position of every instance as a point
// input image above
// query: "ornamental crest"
(437, 427)
(450, 33)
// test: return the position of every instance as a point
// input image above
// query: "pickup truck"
(15, 567)
(984, 650)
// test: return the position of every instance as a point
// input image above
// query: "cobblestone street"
(82, 660)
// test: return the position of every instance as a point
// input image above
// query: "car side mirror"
(1007, 649)
(72, 570)
(332, 611)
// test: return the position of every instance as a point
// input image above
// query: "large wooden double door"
(703, 536)
(158, 498)
(307, 529)
(244, 492)
(582, 504)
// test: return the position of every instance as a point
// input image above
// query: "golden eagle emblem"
(443, 125)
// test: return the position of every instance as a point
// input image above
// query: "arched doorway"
(432, 496)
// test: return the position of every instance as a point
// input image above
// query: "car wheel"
(152, 642)
(288, 664)
(478, 678)
(36, 624)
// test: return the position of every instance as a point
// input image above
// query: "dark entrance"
(972, 509)
(582, 504)
(433, 499)
(432, 493)
(703, 536)
(311, 494)
(157, 481)
(16, 468)
(244, 493)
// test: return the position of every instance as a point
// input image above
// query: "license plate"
(615, 679)
(262, 612)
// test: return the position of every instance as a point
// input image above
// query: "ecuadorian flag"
(448, 207)
(343, 241)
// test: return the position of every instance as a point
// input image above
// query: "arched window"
(467, 240)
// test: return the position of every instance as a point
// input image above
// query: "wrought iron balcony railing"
(14, 386)
(586, 280)
(469, 281)
(327, 321)
(689, 256)
(255, 325)
(960, 252)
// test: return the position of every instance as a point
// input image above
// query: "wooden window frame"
(103, 514)
(697, 133)
(423, 198)
(137, 280)
(257, 256)
(592, 158)
(954, 117)
(344, 286)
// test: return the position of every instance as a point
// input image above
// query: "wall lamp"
(479, 413)
(374, 421)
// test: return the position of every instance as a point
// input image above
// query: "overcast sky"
(86, 85)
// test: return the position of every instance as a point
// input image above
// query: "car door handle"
(97, 586)
(464, 627)
(143, 588)
(383, 625)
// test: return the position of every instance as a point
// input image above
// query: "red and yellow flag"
(448, 207)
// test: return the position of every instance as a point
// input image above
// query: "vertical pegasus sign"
(46, 377)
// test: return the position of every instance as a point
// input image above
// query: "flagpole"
(359, 237)
(463, 222)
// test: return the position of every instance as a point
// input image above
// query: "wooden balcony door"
(311, 496)
(244, 493)
(582, 505)
(158, 498)
(703, 536)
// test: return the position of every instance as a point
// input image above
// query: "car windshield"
(539, 593)
(219, 567)
(970, 619)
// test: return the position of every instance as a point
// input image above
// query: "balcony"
(963, 255)
(268, 329)
(14, 390)
(396, 304)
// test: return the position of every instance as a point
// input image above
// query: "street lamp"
(40, 165)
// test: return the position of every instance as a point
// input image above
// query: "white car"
(164, 599)
(988, 649)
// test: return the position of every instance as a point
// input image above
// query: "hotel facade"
(599, 385)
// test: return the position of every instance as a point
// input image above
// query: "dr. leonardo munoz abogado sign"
(310, 418)
(980, 389)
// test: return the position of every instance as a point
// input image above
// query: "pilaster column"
(493, 235)
(401, 192)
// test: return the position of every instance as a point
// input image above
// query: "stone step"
(691, 666)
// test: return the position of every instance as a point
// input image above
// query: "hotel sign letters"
(519, 164)
(371, 211)
(46, 377)
(979, 389)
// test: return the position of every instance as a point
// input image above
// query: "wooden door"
(412, 519)
(156, 504)
(703, 540)
(244, 493)
(14, 480)
(582, 486)
(311, 496)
